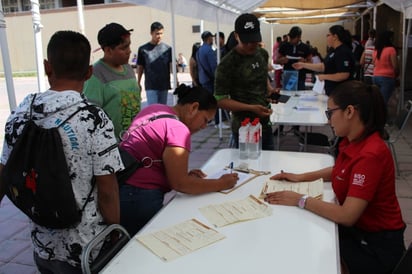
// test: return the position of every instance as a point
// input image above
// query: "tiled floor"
(15, 243)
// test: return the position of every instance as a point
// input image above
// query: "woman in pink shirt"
(159, 137)
(385, 64)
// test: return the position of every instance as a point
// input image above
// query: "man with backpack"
(89, 145)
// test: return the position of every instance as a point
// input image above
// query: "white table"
(288, 114)
(291, 241)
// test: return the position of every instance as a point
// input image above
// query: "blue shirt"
(206, 64)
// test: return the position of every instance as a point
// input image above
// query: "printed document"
(313, 188)
(236, 211)
(181, 239)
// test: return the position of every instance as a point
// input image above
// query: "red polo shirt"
(365, 170)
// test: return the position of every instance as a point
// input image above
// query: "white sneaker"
(224, 126)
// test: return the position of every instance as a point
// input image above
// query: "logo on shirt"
(249, 25)
(358, 179)
(256, 65)
(346, 63)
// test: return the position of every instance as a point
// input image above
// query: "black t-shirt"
(340, 59)
(300, 50)
(156, 61)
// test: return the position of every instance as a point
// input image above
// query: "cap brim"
(250, 37)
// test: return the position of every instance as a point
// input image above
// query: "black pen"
(231, 167)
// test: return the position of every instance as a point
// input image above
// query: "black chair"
(394, 132)
(317, 140)
(108, 250)
(405, 264)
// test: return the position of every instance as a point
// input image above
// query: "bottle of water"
(254, 139)
(260, 136)
(244, 138)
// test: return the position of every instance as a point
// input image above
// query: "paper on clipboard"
(319, 86)
(243, 178)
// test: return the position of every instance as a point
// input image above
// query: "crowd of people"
(363, 177)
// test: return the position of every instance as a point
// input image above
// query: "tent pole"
(218, 61)
(80, 16)
(174, 72)
(6, 61)
(37, 26)
(406, 33)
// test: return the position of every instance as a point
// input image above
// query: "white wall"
(21, 38)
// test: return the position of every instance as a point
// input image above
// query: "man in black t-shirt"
(294, 51)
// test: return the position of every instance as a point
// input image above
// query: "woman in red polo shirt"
(363, 179)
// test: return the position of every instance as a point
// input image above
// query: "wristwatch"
(302, 201)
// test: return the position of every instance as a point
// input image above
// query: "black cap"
(207, 34)
(247, 26)
(295, 32)
(112, 35)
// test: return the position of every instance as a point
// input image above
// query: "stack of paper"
(181, 239)
(312, 188)
(236, 211)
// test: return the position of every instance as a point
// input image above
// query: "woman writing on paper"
(338, 65)
(163, 145)
(363, 179)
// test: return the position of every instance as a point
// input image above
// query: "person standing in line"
(296, 49)
(67, 68)
(181, 62)
(222, 45)
(275, 56)
(242, 84)
(206, 65)
(113, 84)
(154, 59)
(367, 211)
(339, 63)
(385, 61)
(366, 60)
(194, 72)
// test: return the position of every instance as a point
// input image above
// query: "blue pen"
(231, 167)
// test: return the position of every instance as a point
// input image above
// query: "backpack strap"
(155, 117)
(31, 106)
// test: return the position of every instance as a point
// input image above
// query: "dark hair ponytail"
(367, 99)
(188, 95)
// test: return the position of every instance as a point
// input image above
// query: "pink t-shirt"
(383, 65)
(150, 140)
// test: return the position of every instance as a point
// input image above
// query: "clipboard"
(245, 176)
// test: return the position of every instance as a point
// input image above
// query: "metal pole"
(37, 26)
(6, 61)
(80, 15)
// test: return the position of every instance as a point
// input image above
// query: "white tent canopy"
(225, 11)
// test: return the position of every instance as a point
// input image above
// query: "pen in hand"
(231, 167)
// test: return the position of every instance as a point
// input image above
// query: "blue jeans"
(386, 86)
(138, 206)
(156, 97)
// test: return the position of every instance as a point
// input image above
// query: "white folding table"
(290, 241)
(302, 109)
